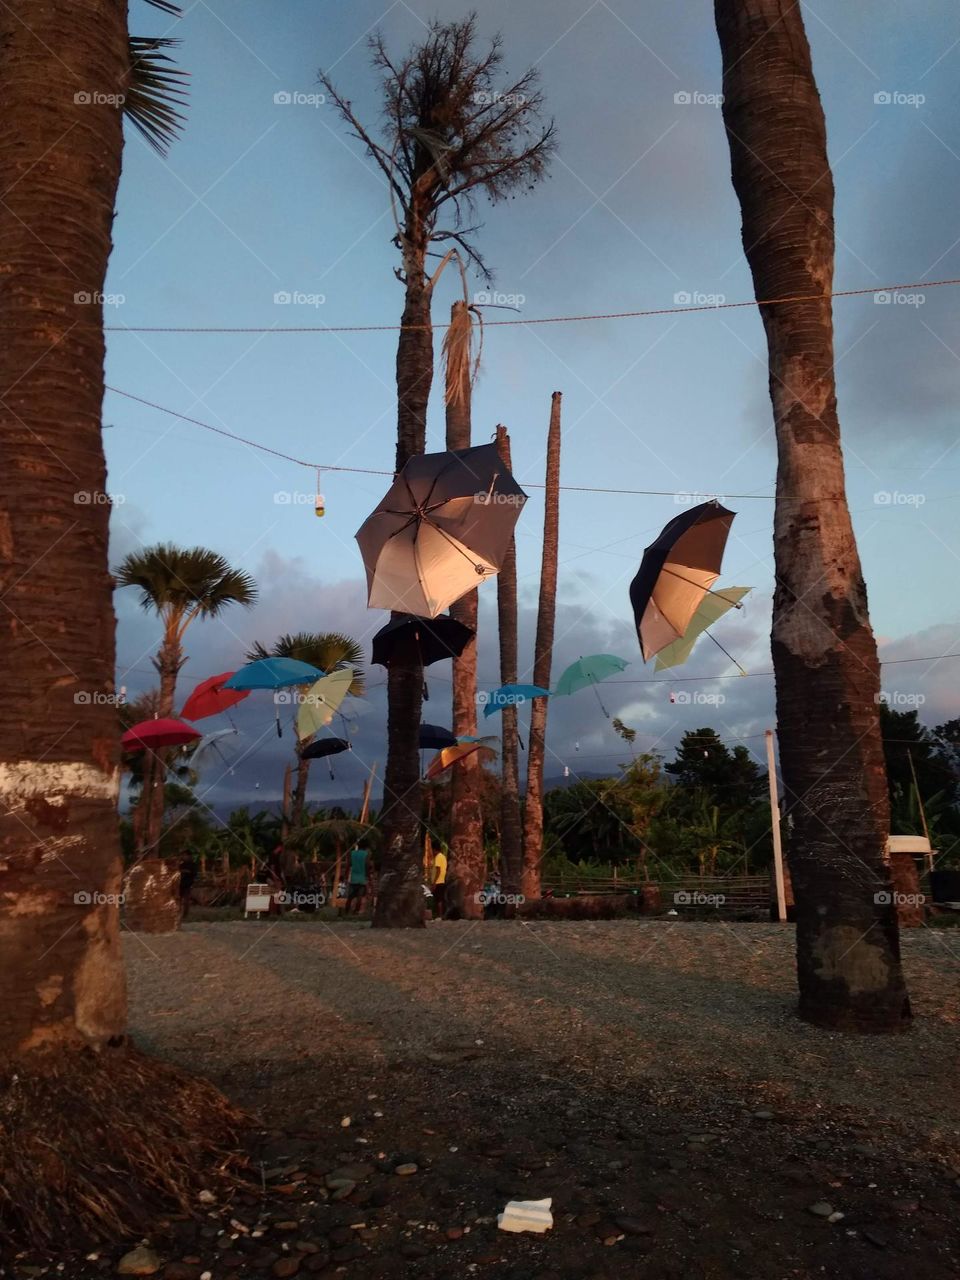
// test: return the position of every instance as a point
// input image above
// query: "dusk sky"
(263, 197)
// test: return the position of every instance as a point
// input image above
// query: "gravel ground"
(650, 1077)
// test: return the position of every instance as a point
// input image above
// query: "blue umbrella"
(435, 736)
(273, 673)
(511, 695)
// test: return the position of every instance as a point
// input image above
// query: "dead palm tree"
(180, 585)
(330, 651)
(542, 663)
(467, 870)
(449, 135)
(67, 76)
(824, 654)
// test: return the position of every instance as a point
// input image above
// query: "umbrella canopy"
(153, 734)
(472, 738)
(324, 747)
(444, 526)
(211, 741)
(675, 574)
(450, 756)
(425, 640)
(209, 698)
(322, 701)
(588, 671)
(273, 673)
(712, 607)
(434, 735)
(511, 695)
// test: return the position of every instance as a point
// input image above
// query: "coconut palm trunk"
(542, 663)
(824, 655)
(400, 898)
(59, 749)
(466, 873)
(511, 831)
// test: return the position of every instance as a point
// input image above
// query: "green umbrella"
(711, 608)
(322, 701)
(589, 671)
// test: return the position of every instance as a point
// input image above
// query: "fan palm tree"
(330, 651)
(449, 136)
(824, 654)
(179, 584)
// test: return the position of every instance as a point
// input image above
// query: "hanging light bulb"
(320, 505)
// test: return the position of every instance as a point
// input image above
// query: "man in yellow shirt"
(440, 883)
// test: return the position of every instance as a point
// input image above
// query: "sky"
(266, 194)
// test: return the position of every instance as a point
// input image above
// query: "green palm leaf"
(327, 650)
(155, 89)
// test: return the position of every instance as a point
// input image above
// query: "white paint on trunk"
(55, 780)
(845, 952)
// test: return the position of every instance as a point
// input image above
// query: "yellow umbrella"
(452, 755)
(711, 607)
(322, 701)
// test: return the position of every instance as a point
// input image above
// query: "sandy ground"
(650, 1077)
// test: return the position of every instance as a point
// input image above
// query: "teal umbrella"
(589, 671)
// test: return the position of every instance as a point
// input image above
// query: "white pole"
(775, 825)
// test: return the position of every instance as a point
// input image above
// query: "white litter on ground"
(526, 1215)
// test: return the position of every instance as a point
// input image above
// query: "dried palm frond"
(457, 353)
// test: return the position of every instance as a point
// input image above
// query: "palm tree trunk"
(511, 833)
(168, 663)
(824, 655)
(467, 870)
(400, 900)
(299, 793)
(59, 749)
(542, 663)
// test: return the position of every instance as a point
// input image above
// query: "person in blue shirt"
(359, 880)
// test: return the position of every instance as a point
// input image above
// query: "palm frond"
(185, 579)
(167, 6)
(155, 89)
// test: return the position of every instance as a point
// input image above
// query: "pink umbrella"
(153, 734)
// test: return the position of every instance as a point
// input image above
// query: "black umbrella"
(434, 736)
(324, 747)
(445, 525)
(676, 573)
(423, 640)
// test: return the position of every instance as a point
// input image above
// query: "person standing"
(359, 880)
(188, 876)
(440, 883)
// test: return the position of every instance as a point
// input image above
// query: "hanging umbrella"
(325, 747)
(484, 741)
(272, 673)
(209, 698)
(150, 735)
(589, 672)
(322, 701)
(211, 742)
(712, 607)
(445, 525)
(450, 756)
(676, 572)
(435, 736)
(426, 640)
(511, 695)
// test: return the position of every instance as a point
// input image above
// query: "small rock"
(350, 1172)
(207, 1197)
(287, 1226)
(821, 1209)
(607, 1233)
(633, 1226)
(404, 1170)
(344, 1190)
(317, 1262)
(138, 1262)
(231, 1260)
(763, 1115)
(345, 1122)
(286, 1267)
(181, 1271)
(306, 1246)
(454, 1233)
(874, 1237)
(412, 1251)
(589, 1219)
(836, 1216)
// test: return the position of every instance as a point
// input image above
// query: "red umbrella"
(152, 734)
(210, 697)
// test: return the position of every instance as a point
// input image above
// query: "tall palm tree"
(467, 870)
(330, 651)
(449, 135)
(511, 823)
(824, 654)
(67, 76)
(179, 584)
(542, 663)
